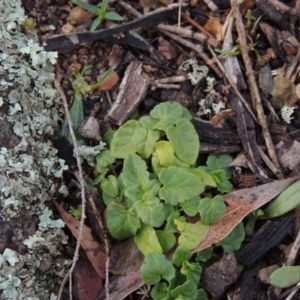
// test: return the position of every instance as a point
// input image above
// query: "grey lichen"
(28, 162)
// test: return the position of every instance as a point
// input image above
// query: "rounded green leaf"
(285, 276)
(166, 239)
(192, 271)
(147, 148)
(148, 122)
(190, 206)
(285, 201)
(180, 255)
(185, 141)
(121, 223)
(157, 168)
(212, 210)
(164, 152)
(147, 241)
(207, 179)
(193, 235)
(156, 267)
(128, 139)
(110, 186)
(179, 185)
(108, 136)
(150, 211)
(234, 239)
(167, 113)
(160, 291)
(134, 171)
(186, 291)
(104, 158)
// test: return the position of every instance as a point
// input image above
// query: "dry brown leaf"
(214, 27)
(86, 281)
(240, 204)
(283, 89)
(92, 248)
(122, 286)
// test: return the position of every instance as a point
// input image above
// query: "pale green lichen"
(89, 153)
(29, 102)
(195, 72)
(286, 113)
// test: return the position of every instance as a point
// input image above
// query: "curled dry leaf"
(239, 204)
(110, 82)
(90, 129)
(93, 250)
(214, 27)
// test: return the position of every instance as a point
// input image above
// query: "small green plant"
(228, 52)
(99, 12)
(76, 212)
(159, 186)
(80, 87)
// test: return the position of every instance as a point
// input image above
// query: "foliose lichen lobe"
(28, 162)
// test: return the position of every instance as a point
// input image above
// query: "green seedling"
(99, 12)
(76, 212)
(81, 88)
(159, 185)
(227, 52)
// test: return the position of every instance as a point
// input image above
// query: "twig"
(81, 182)
(292, 66)
(292, 294)
(211, 5)
(197, 48)
(294, 251)
(273, 14)
(105, 240)
(284, 8)
(179, 13)
(165, 86)
(232, 84)
(267, 161)
(195, 24)
(253, 86)
(201, 37)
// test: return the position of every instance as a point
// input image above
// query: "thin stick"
(294, 251)
(197, 48)
(284, 8)
(232, 84)
(195, 24)
(105, 240)
(201, 37)
(293, 64)
(253, 86)
(179, 13)
(81, 182)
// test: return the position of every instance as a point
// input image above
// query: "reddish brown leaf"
(92, 248)
(87, 282)
(110, 82)
(240, 204)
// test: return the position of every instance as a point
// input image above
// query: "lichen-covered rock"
(28, 164)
